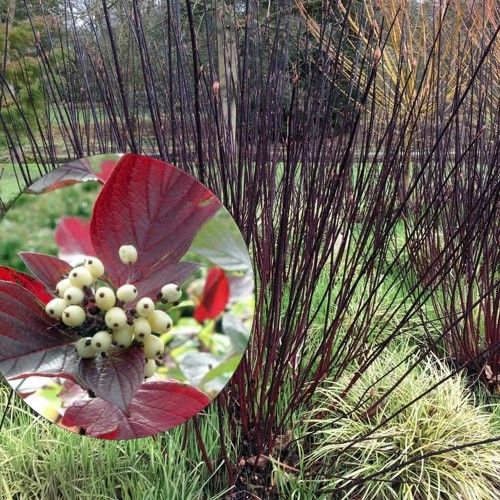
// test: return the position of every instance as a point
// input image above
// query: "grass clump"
(41, 460)
(367, 446)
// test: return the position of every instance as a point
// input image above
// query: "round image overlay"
(126, 296)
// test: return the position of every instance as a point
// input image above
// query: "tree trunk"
(227, 60)
(9, 21)
(15, 152)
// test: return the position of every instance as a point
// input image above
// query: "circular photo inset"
(126, 296)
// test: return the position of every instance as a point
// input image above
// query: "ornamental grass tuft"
(412, 443)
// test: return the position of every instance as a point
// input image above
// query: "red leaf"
(27, 282)
(73, 238)
(71, 173)
(215, 295)
(155, 207)
(94, 415)
(115, 378)
(156, 407)
(110, 435)
(49, 270)
(28, 339)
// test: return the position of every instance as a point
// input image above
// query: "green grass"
(41, 460)
(11, 181)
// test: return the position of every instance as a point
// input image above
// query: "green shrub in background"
(30, 223)
(444, 418)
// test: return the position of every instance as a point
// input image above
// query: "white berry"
(73, 295)
(153, 347)
(84, 348)
(141, 328)
(128, 254)
(94, 266)
(80, 277)
(171, 292)
(123, 336)
(160, 321)
(105, 298)
(62, 286)
(55, 308)
(101, 341)
(145, 307)
(126, 293)
(149, 368)
(115, 318)
(73, 316)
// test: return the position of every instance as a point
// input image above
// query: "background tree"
(23, 98)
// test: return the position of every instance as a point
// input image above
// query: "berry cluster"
(99, 314)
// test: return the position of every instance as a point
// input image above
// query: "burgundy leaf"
(49, 270)
(95, 415)
(73, 238)
(66, 175)
(155, 207)
(215, 295)
(29, 340)
(26, 281)
(156, 407)
(60, 361)
(115, 378)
